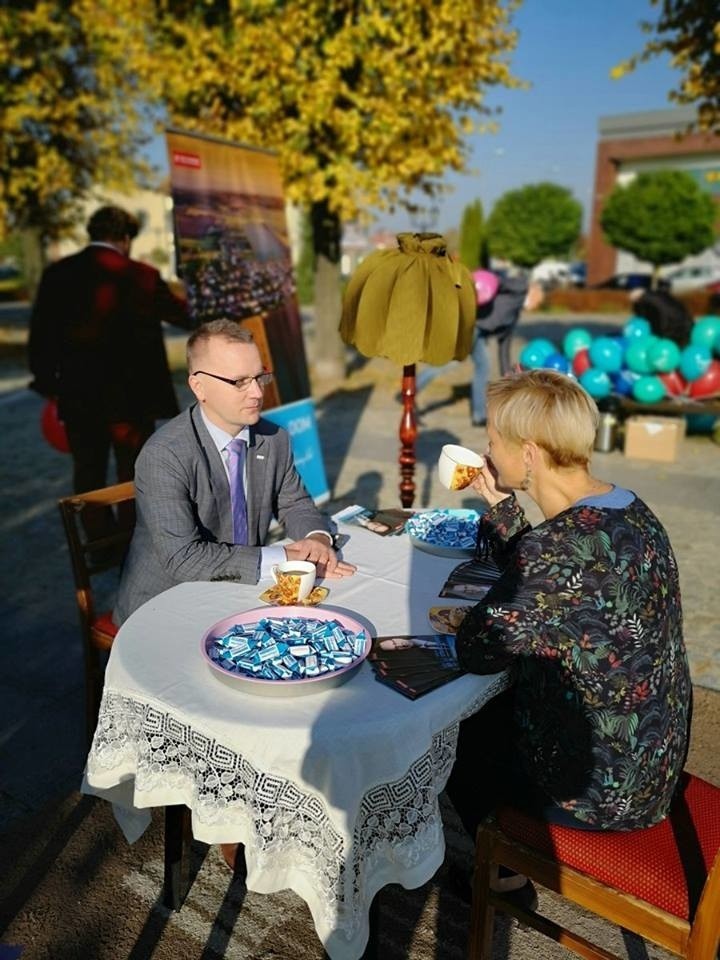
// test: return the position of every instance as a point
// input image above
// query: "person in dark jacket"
(96, 344)
(668, 317)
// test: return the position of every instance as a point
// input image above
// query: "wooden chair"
(662, 883)
(98, 541)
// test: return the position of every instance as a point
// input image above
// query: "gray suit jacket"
(184, 523)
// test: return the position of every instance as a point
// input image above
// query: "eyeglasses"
(242, 383)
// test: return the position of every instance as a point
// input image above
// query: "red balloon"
(675, 384)
(581, 362)
(708, 385)
(53, 428)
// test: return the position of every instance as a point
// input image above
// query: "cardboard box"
(654, 438)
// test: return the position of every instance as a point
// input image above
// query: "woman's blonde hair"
(547, 408)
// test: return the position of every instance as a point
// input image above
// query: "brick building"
(632, 143)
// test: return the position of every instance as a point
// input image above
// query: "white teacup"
(295, 580)
(458, 466)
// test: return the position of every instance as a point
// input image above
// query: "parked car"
(578, 274)
(692, 278)
(625, 281)
(12, 284)
(551, 273)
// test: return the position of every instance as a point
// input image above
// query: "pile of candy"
(276, 648)
(445, 528)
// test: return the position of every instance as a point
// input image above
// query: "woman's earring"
(527, 478)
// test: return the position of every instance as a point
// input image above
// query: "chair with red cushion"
(98, 526)
(662, 882)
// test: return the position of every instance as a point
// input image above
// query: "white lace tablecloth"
(334, 794)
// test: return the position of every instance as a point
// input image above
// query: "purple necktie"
(236, 467)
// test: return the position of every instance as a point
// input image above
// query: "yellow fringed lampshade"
(410, 304)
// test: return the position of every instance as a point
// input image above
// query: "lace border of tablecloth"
(397, 822)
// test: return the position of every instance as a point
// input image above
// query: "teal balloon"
(663, 355)
(637, 356)
(535, 353)
(606, 354)
(596, 382)
(576, 339)
(648, 390)
(705, 331)
(694, 361)
(636, 328)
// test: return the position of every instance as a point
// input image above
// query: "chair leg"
(178, 835)
(482, 913)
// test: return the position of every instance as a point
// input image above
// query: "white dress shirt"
(270, 555)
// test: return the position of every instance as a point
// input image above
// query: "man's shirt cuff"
(269, 556)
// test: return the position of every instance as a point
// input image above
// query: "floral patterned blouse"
(588, 612)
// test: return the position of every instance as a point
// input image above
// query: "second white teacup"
(458, 466)
(295, 580)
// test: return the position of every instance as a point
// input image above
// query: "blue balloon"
(623, 382)
(636, 328)
(576, 339)
(637, 356)
(694, 361)
(596, 382)
(535, 353)
(606, 354)
(663, 355)
(649, 389)
(556, 361)
(705, 331)
(624, 342)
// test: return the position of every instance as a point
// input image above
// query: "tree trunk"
(33, 255)
(328, 349)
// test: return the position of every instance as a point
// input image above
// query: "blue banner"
(299, 420)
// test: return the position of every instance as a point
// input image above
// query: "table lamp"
(410, 304)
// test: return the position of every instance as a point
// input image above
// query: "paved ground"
(41, 729)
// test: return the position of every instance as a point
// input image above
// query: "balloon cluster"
(635, 363)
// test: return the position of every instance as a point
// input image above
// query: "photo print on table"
(414, 664)
(383, 522)
(471, 580)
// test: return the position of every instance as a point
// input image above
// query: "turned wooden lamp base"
(408, 434)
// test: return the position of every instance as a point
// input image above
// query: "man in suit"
(201, 514)
(96, 344)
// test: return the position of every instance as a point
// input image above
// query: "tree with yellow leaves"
(689, 30)
(70, 113)
(364, 100)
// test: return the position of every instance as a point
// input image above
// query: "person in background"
(500, 300)
(586, 615)
(499, 308)
(668, 317)
(209, 482)
(96, 344)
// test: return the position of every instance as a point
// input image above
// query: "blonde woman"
(587, 614)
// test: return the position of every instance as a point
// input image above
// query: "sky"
(566, 49)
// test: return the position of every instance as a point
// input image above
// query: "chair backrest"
(97, 537)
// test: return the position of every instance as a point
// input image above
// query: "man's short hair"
(112, 223)
(229, 330)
